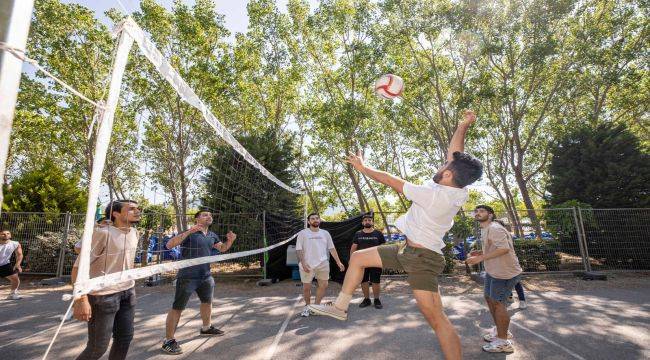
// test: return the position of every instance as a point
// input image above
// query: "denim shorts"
(204, 288)
(499, 289)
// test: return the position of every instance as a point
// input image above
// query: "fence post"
(584, 238)
(265, 258)
(64, 245)
(582, 245)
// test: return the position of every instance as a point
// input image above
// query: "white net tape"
(100, 282)
(185, 91)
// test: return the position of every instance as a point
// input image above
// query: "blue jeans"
(111, 315)
(499, 289)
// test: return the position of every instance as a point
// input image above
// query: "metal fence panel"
(617, 239)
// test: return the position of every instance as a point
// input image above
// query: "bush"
(449, 258)
(537, 255)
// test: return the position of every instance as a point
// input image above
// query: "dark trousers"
(112, 315)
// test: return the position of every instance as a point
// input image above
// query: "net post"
(266, 253)
(15, 16)
(64, 243)
(125, 42)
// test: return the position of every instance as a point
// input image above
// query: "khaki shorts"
(422, 265)
(321, 272)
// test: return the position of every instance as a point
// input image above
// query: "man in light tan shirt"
(110, 311)
(502, 273)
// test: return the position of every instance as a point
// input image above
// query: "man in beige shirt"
(502, 273)
(110, 311)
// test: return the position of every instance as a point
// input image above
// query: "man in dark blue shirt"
(196, 242)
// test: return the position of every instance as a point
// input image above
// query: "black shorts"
(7, 270)
(185, 287)
(372, 275)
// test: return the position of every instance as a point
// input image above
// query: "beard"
(437, 177)
(367, 226)
(314, 224)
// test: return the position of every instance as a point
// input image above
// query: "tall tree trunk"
(374, 195)
(355, 183)
(525, 195)
(338, 194)
(310, 195)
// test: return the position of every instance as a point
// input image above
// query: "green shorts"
(422, 265)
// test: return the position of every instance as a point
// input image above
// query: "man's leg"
(366, 289)
(100, 326)
(306, 293)
(205, 291)
(375, 290)
(123, 326)
(501, 319)
(173, 316)
(320, 291)
(184, 289)
(430, 304)
(15, 282)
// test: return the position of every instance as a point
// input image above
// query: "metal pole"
(15, 18)
(266, 253)
(584, 239)
(64, 245)
(585, 259)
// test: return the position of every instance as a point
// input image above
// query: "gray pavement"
(569, 319)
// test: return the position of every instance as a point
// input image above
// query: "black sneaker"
(212, 331)
(172, 347)
(366, 302)
(378, 304)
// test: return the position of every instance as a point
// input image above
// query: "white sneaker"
(522, 305)
(329, 310)
(305, 312)
(492, 335)
(14, 296)
(504, 346)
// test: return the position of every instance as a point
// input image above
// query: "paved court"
(567, 318)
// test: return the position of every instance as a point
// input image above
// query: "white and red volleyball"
(389, 86)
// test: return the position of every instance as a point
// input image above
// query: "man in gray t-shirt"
(196, 242)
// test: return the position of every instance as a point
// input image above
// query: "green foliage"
(603, 166)
(45, 189)
(537, 255)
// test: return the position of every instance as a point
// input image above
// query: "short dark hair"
(198, 213)
(486, 208)
(116, 205)
(312, 214)
(368, 216)
(466, 169)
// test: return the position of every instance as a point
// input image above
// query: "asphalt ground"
(566, 318)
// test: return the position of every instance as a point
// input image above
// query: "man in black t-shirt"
(363, 239)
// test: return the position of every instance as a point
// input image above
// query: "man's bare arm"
(457, 142)
(380, 176)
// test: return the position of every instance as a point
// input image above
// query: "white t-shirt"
(432, 213)
(6, 250)
(315, 245)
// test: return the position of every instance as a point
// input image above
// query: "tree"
(52, 124)
(45, 189)
(603, 166)
(176, 137)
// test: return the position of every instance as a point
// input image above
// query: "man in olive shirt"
(363, 239)
(502, 273)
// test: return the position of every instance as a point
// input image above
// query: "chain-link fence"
(551, 240)
(45, 252)
(546, 240)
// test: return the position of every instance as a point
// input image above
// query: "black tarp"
(341, 231)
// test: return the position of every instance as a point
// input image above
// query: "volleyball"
(389, 86)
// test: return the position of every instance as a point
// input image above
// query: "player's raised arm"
(457, 142)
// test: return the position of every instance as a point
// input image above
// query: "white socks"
(205, 328)
(343, 301)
